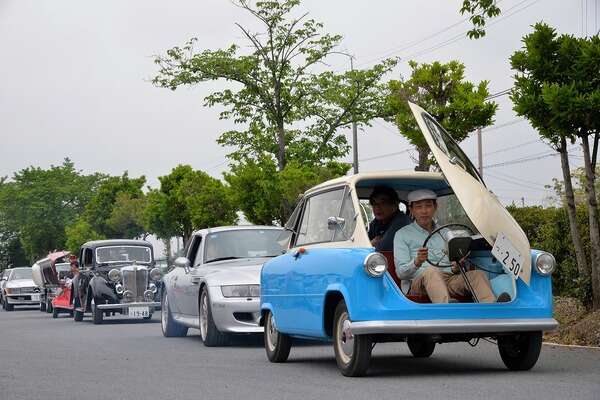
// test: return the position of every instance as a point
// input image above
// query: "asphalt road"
(45, 358)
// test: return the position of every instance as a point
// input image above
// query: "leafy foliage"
(290, 111)
(267, 196)
(441, 89)
(480, 11)
(79, 233)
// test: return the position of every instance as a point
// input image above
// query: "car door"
(186, 284)
(313, 248)
(484, 209)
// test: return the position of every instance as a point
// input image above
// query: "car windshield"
(242, 243)
(24, 273)
(62, 267)
(119, 254)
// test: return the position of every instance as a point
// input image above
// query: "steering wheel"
(437, 231)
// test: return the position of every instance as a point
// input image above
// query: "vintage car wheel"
(170, 328)
(54, 312)
(277, 344)
(97, 314)
(209, 333)
(77, 315)
(521, 351)
(42, 306)
(49, 307)
(352, 352)
(420, 347)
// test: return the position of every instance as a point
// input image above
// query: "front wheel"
(277, 344)
(8, 306)
(170, 327)
(42, 306)
(420, 347)
(54, 312)
(77, 315)
(211, 336)
(97, 314)
(521, 351)
(352, 352)
(49, 307)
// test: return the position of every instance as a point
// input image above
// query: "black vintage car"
(116, 276)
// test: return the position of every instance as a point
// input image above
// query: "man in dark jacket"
(388, 217)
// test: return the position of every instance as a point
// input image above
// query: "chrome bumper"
(121, 306)
(411, 327)
(14, 299)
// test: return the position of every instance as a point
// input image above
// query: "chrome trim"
(127, 305)
(453, 326)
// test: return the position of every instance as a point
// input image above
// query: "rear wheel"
(211, 336)
(170, 328)
(97, 314)
(77, 315)
(54, 312)
(352, 352)
(521, 351)
(49, 307)
(277, 344)
(42, 306)
(420, 347)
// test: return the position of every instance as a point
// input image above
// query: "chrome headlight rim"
(114, 275)
(545, 263)
(148, 295)
(152, 287)
(240, 291)
(155, 274)
(375, 264)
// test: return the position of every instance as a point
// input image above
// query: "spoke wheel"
(352, 352)
(520, 352)
(277, 344)
(170, 327)
(210, 334)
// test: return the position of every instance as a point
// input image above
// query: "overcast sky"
(75, 80)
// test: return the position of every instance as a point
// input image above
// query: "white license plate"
(139, 312)
(35, 297)
(508, 255)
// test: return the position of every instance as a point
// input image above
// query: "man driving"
(411, 257)
(388, 217)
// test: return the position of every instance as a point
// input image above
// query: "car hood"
(20, 283)
(484, 209)
(244, 271)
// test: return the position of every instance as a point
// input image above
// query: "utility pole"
(354, 134)
(479, 152)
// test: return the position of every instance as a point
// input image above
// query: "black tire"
(170, 327)
(8, 306)
(54, 312)
(521, 351)
(97, 314)
(352, 352)
(420, 347)
(277, 344)
(43, 306)
(49, 308)
(77, 315)
(210, 335)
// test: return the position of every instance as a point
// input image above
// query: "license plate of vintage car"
(508, 255)
(139, 312)
(35, 297)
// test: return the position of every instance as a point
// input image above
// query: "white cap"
(421, 194)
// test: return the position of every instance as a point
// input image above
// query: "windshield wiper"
(223, 258)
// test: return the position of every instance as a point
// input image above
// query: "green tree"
(127, 216)
(99, 211)
(267, 196)
(37, 204)
(188, 200)
(479, 11)
(460, 106)
(291, 112)
(555, 92)
(78, 233)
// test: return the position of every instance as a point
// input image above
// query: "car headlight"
(155, 274)
(375, 264)
(119, 288)
(152, 287)
(114, 275)
(11, 291)
(241, 291)
(149, 295)
(545, 263)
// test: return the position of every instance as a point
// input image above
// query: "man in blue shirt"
(388, 217)
(411, 257)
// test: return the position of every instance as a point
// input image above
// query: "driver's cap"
(421, 194)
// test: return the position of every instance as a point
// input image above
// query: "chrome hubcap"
(345, 338)
(203, 316)
(271, 333)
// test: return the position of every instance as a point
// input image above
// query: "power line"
(385, 155)
(509, 123)
(525, 159)
(516, 146)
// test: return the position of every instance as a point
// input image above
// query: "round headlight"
(149, 295)
(375, 264)
(119, 288)
(545, 263)
(152, 287)
(155, 274)
(114, 275)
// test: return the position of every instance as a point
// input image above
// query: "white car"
(20, 290)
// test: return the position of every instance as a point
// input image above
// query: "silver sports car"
(216, 287)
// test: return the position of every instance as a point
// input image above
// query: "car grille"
(26, 290)
(136, 281)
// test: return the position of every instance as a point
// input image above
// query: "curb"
(575, 346)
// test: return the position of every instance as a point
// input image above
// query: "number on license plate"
(139, 312)
(508, 255)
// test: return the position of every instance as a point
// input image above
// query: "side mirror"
(182, 262)
(334, 223)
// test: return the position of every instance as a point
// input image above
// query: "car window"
(88, 256)
(242, 243)
(450, 148)
(195, 255)
(317, 209)
(24, 273)
(349, 215)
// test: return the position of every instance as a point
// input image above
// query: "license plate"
(139, 312)
(507, 254)
(35, 297)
